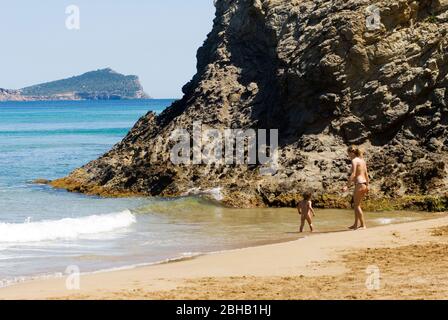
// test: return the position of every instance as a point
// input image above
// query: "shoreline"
(60, 275)
(316, 256)
(183, 257)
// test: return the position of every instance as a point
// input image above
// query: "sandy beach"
(411, 257)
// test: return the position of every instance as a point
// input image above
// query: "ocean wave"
(184, 205)
(67, 228)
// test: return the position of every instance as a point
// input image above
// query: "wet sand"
(411, 257)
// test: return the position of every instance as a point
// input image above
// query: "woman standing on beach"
(360, 177)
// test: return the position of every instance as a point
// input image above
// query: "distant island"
(103, 84)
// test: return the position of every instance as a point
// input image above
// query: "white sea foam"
(68, 228)
(215, 193)
(385, 220)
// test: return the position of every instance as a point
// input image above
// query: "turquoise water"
(48, 140)
(43, 230)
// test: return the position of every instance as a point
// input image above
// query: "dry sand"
(412, 259)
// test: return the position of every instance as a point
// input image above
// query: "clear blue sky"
(154, 39)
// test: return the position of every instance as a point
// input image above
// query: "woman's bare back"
(360, 171)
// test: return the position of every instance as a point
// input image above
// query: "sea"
(46, 232)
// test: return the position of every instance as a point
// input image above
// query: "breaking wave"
(67, 228)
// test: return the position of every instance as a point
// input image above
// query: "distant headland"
(103, 84)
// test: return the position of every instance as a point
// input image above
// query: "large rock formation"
(326, 76)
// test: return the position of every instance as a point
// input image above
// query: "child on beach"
(305, 209)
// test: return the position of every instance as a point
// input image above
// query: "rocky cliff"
(327, 74)
(10, 95)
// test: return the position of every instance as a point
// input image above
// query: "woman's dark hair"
(307, 195)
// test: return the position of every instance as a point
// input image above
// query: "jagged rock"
(315, 71)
